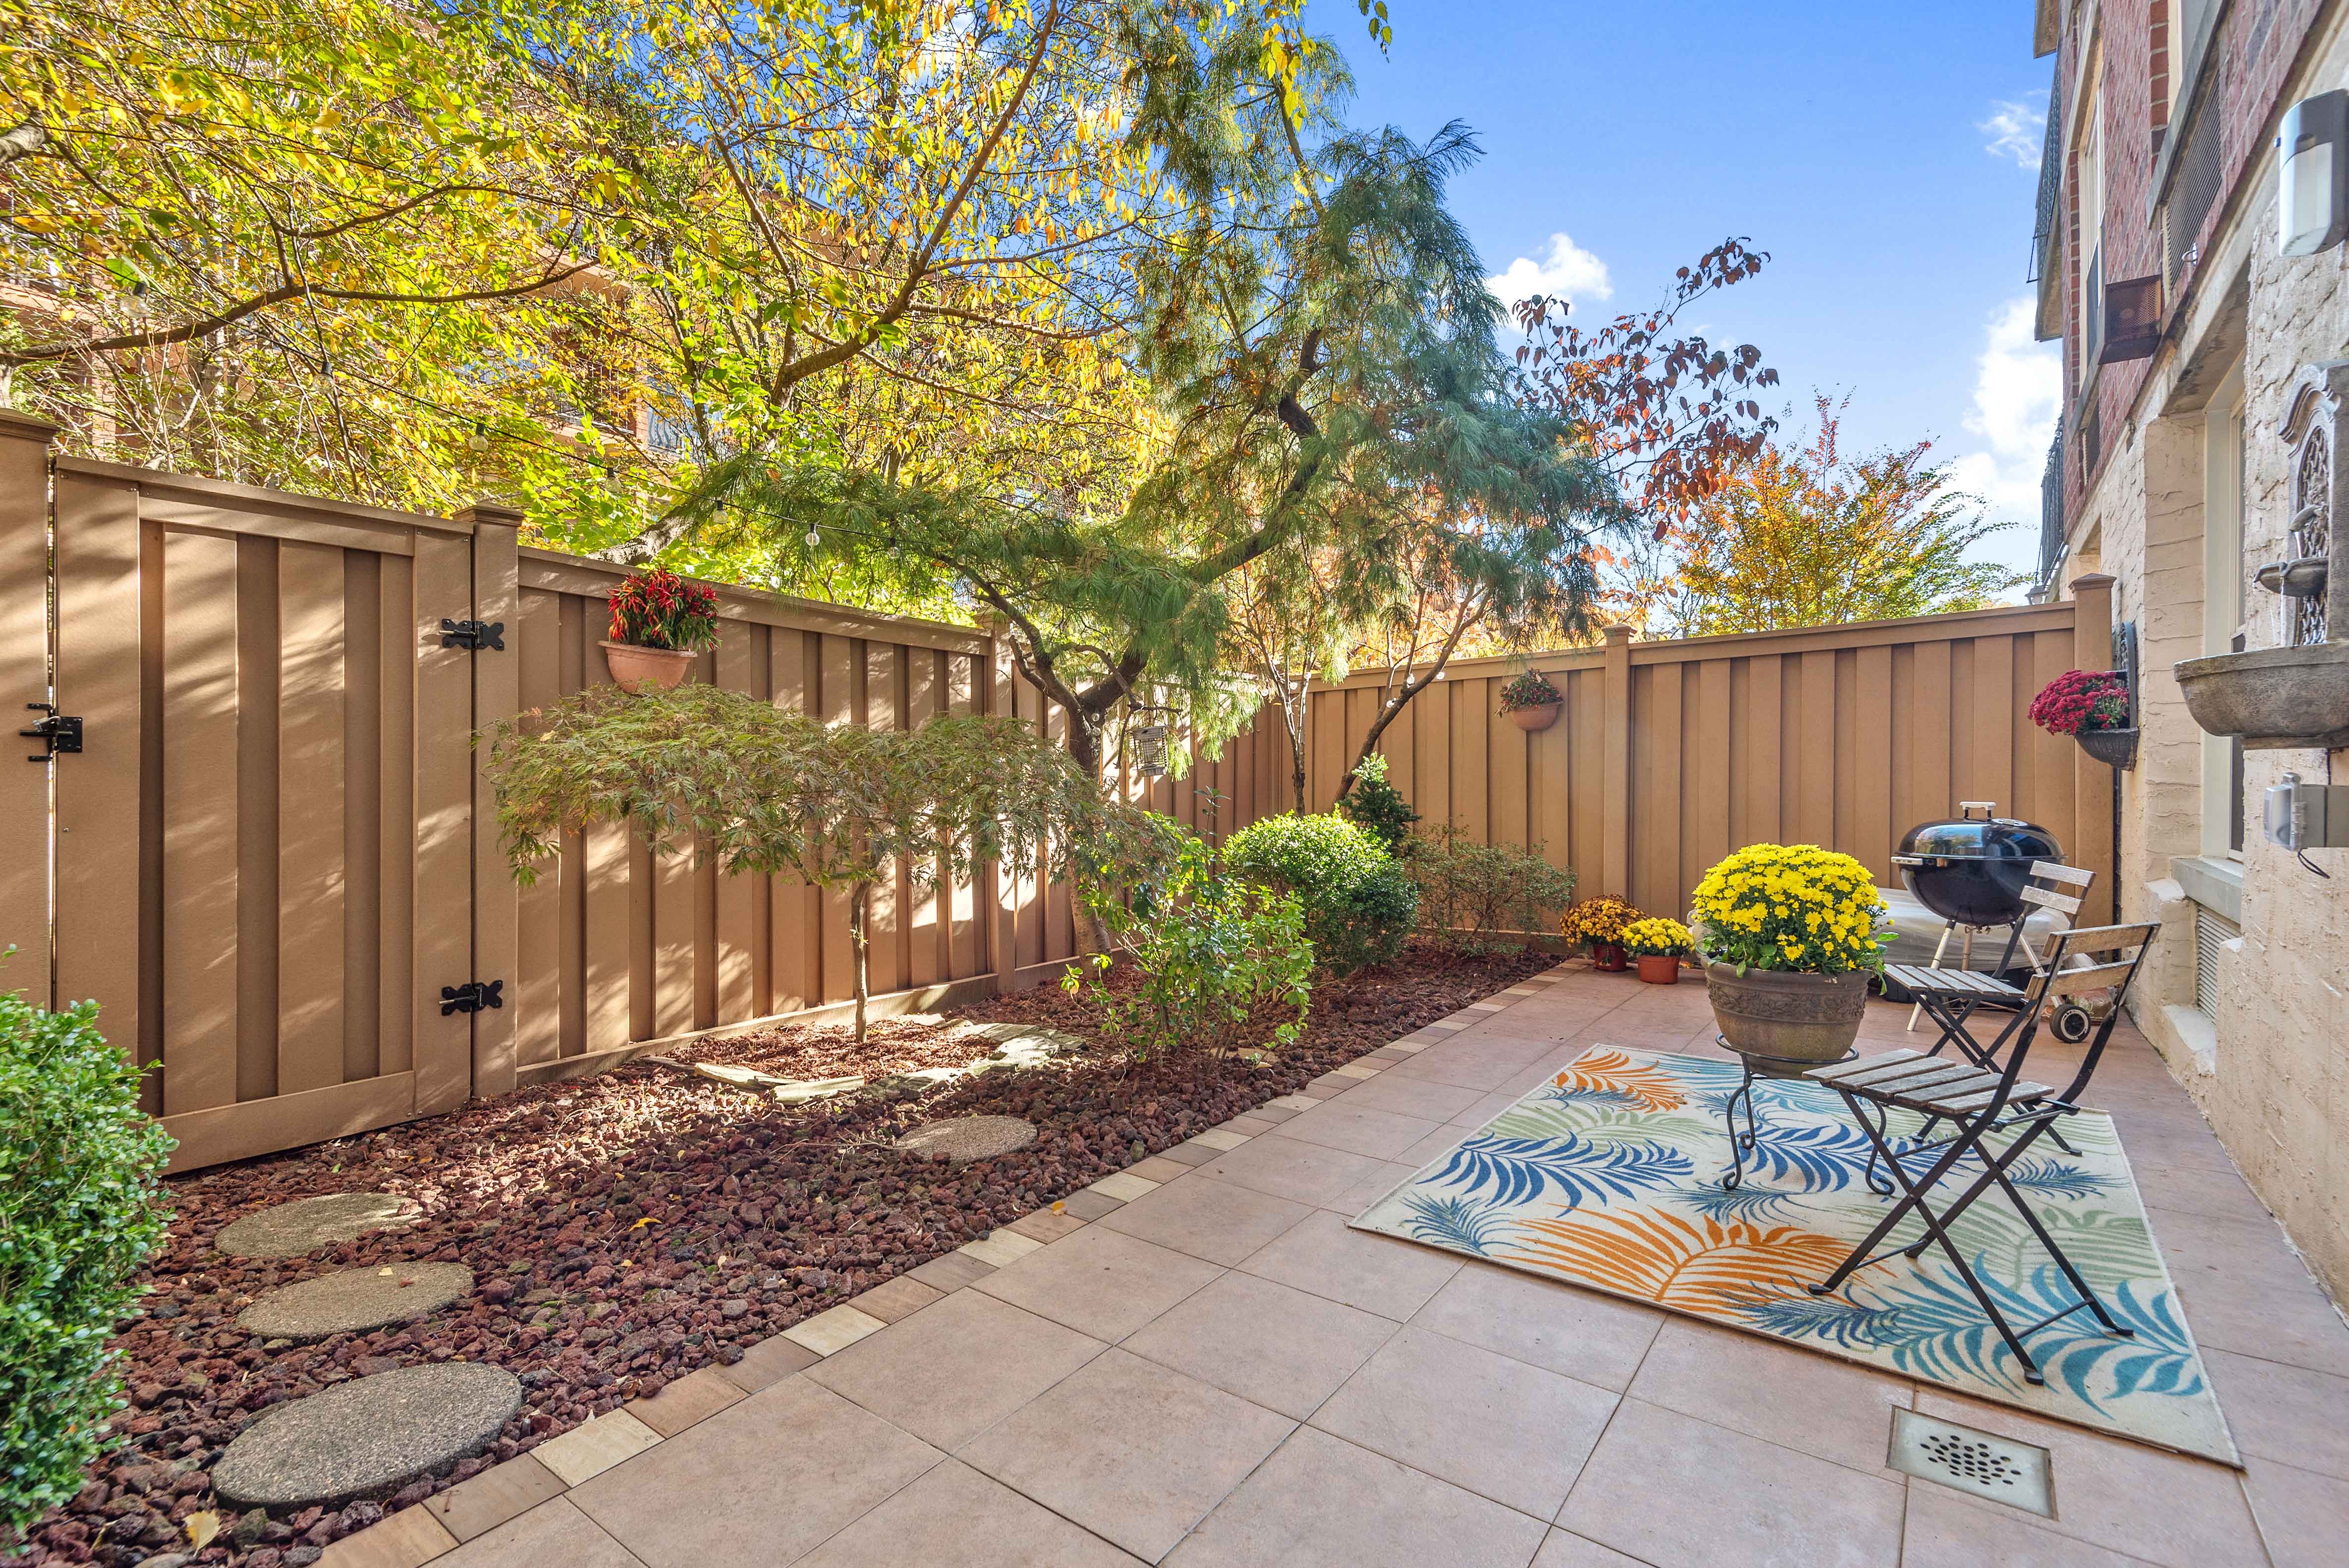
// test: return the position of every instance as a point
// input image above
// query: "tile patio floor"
(1214, 1370)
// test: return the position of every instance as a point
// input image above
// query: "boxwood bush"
(1359, 905)
(80, 1208)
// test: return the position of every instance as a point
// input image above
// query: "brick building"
(2206, 380)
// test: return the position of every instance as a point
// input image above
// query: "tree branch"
(157, 337)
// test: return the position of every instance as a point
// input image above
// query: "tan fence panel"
(262, 855)
(24, 682)
(613, 948)
(1668, 754)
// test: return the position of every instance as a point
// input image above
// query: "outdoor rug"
(1610, 1176)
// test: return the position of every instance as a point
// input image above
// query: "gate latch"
(473, 634)
(61, 731)
(472, 997)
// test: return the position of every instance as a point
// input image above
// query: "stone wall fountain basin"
(2275, 698)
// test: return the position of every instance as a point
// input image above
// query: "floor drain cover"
(1983, 1463)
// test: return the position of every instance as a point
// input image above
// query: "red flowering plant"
(660, 609)
(2082, 699)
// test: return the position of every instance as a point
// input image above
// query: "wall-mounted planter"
(2113, 748)
(639, 668)
(2275, 698)
(1539, 718)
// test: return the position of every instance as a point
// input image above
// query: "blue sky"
(1885, 154)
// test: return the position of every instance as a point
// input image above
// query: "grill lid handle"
(1989, 808)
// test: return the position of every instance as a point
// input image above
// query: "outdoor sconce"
(2313, 205)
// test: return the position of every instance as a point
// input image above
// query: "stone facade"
(2262, 1040)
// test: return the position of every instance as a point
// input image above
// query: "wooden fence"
(273, 858)
(1668, 754)
(276, 852)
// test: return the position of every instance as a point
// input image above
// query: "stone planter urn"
(1785, 1014)
(635, 668)
(2275, 698)
(1539, 718)
(1660, 968)
(2113, 748)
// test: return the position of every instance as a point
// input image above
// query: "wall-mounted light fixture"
(2313, 206)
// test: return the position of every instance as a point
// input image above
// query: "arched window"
(2311, 525)
(2317, 412)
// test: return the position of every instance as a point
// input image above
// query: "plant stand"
(1760, 1067)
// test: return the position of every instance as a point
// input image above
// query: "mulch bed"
(627, 1229)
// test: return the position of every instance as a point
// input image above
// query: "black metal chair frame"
(1945, 1091)
(1951, 1004)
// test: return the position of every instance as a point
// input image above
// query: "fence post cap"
(26, 427)
(2092, 580)
(482, 511)
(1618, 631)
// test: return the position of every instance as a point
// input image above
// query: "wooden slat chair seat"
(1978, 1099)
(1915, 1082)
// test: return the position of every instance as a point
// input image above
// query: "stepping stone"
(1021, 1045)
(367, 1437)
(290, 1230)
(352, 1299)
(967, 1137)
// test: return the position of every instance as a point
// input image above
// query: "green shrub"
(80, 1209)
(1379, 806)
(1476, 898)
(1358, 903)
(1223, 965)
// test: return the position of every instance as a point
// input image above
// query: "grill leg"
(1939, 948)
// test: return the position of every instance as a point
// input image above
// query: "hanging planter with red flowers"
(659, 622)
(1531, 701)
(2093, 707)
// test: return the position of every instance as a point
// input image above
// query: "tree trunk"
(1085, 746)
(857, 906)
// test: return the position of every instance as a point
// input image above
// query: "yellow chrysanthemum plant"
(1793, 907)
(1657, 937)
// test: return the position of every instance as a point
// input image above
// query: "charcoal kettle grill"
(1971, 870)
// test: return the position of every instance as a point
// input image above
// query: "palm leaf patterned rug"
(1610, 1176)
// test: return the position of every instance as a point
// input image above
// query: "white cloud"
(1565, 271)
(2016, 131)
(2018, 383)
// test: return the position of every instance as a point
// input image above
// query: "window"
(2222, 602)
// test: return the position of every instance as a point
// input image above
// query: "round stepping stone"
(351, 1299)
(367, 1437)
(290, 1230)
(967, 1137)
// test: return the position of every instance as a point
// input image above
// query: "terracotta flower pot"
(1607, 955)
(639, 669)
(1785, 1014)
(1538, 719)
(1660, 968)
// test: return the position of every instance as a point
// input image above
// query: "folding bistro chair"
(1951, 997)
(1979, 1102)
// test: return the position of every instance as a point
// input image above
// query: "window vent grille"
(2193, 190)
(2211, 931)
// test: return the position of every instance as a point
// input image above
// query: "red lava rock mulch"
(627, 1229)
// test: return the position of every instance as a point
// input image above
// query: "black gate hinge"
(473, 634)
(61, 731)
(473, 996)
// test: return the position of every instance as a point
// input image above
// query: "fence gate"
(264, 848)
